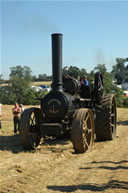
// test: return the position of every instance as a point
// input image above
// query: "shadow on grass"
(107, 167)
(111, 162)
(11, 143)
(93, 187)
(122, 123)
(113, 184)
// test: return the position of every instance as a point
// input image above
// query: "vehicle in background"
(45, 88)
(124, 86)
(36, 88)
(125, 93)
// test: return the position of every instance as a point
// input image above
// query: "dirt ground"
(54, 167)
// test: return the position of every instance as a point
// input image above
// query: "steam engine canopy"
(57, 104)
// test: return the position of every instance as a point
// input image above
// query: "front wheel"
(82, 130)
(29, 128)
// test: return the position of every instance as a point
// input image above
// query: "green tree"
(120, 71)
(109, 86)
(91, 77)
(42, 77)
(34, 78)
(101, 68)
(19, 91)
(21, 72)
(1, 79)
(27, 73)
(74, 71)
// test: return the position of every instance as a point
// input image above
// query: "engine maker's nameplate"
(54, 106)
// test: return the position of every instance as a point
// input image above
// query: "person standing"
(0, 115)
(16, 117)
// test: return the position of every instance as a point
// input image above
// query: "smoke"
(101, 58)
(29, 17)
(39, 25)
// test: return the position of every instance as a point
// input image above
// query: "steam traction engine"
(70, 108)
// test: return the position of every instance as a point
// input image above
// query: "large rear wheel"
(106, 117)
(82, 130)
(29, 128)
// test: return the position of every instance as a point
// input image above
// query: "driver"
(84, 81)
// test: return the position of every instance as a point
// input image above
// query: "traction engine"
(70, 108)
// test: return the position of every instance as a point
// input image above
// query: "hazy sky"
(93, 32)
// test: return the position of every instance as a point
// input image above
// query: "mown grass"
(48, 83)
(38, 83)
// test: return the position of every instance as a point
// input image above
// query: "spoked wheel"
(106, 116)
(29, 128)
(82, 130)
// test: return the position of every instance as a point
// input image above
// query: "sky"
(94, 32)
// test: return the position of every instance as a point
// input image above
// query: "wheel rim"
(82, 130)
(30, 128)
(87, 130)
(113, 117)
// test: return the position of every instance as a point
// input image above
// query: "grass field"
(48, 83)
(54, 167)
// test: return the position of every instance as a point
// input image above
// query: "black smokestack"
(57, 62)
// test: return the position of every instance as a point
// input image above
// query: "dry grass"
(48, 83)
(55, 168)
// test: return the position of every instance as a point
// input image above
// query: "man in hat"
(84, 81)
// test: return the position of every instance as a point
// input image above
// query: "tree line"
(18, 88)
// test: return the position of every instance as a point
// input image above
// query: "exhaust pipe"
(57, 84)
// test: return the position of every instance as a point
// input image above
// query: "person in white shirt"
(21, 107)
